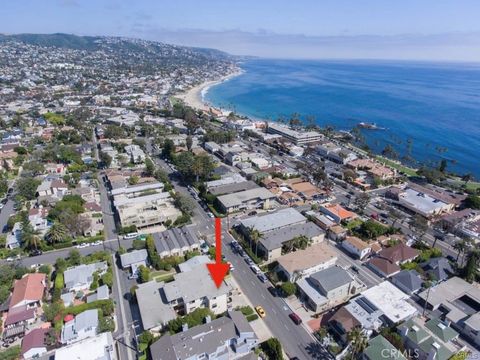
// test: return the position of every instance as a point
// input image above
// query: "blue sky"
(393, 29)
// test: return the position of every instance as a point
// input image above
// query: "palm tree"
(358, 341)
(301, 242)
(255, 237)
(460, 246)
(29, 236)
(471, 267)
(57, 233)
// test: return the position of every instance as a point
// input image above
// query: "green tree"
(29, 236)
(146, 337)
(189, 143)
(168, 149)
(273, 349)
(470, 271)
(27, 187)
(105, 159)
(362, 200)
(472, 201)
(74, 257)
(358, 341)
(184, 203)
(289, 288)
(57, 233)
(143, 274)
(149, 167)
(254, 236)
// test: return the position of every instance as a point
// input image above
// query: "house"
(438, 269)
(34, 344)
(134, 259)
(459, 303)
(80, 277)
(276, 220)
(14, 237)
(102, 293)
(357, 247)
(193, 262)
(337, 213)
(28, 291)
(144, 205)
(302, 263)
(233, 188)
(373, 168)
(38, 219)
(388, 260)
(227, 337)
(18, 318)
(391, 301)
(429, 340)
(271, 243)
(256, 198)
(409, 281)
(381, 348)
(100, 347)
(161, 302)
(55, 188)
(383, 267)
(175, 242)
(84, 325)
(136, 154)
(342, 323)
(327, 288)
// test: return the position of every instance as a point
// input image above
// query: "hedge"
(106, 306)
(252, 317)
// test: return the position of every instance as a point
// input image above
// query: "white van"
(130, 236)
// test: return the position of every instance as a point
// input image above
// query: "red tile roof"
(30, 287)
(385, 266)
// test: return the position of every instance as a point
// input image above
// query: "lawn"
(405, 169)
(162, 275)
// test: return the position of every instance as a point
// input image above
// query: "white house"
(356, 247)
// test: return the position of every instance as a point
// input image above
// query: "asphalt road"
(295, 339)
(5, 213)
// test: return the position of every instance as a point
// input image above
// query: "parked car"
(255, 269)
(36, 252)
(272, 290)
(263, 278)
(355, 269)
(295, 318)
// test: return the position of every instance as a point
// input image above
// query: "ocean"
(429, 111)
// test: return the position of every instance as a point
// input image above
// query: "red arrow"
(218, 270)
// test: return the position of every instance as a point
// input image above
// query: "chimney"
(184, 327)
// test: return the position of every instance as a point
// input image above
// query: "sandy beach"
(194, 96)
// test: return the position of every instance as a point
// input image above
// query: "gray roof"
(201, 339)
(233, 188)
(194, 262)
(331, 278)
(274, 239)
(154, 308)
(102, 293)
(84, 320)
(439, 268)
(238, 198)
(276, 220)
(176, 238)
(82, 274)
(409, 279)
(133, 257)
(192, 285)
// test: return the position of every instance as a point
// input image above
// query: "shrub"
(273, 349)
(246, 310)
(288, 288)
(252, 317)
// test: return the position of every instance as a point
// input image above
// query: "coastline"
(194, 97)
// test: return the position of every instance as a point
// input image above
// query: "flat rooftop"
(423, 202)
(275, 220)
(308, 258)
(391, 301)
(238, 198)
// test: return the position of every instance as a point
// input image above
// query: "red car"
(295, 318)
